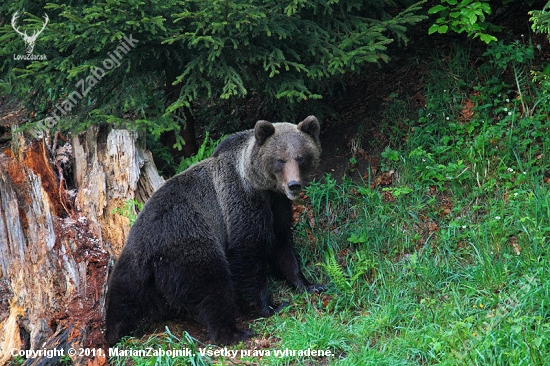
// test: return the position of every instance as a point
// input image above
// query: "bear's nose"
(294, 186)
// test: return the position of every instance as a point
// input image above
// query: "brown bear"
(212, 234)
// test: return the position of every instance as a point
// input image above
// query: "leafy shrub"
(467, 16)
(205, 150)
(130, 210)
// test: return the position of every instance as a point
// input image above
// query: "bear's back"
(175, 206)
(233, 143)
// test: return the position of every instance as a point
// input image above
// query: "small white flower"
(447, 118)
(464, 226)
(505, 109)
(509, 113)
(507, 100)
(497, 217)
(516, 194)
(510, 170)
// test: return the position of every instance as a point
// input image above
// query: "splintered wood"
(58, 235)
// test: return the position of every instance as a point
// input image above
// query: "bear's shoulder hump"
(232, 143)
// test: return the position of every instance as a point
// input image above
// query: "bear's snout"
(292, 181)
(295, 186)
(292, 189)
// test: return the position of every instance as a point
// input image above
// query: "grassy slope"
(446, 265)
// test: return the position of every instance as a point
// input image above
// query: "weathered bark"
(57, 242)
(109, 169)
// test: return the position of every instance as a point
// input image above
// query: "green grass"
(154, 350)
(450, 264)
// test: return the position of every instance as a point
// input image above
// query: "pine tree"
(185, 54)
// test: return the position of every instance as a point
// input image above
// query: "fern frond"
(335, 272)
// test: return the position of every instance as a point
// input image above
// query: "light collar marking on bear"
(243, 165)
(250, 177)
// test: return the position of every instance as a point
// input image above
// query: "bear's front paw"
(274, 307)
(279, 306)
(266, 311)
(228, 337)
(316, 287)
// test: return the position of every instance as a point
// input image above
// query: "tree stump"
(59, 233)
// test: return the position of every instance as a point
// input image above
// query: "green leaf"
(437, 9)
(437, 28)
(355, 239)
(443, 29)
(487, 38)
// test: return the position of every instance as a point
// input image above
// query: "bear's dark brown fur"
(211, 233)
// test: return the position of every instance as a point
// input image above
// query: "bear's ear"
(310, 125)
(263, 130)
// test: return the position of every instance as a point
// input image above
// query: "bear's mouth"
(292, 194)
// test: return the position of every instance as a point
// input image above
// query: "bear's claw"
(316, 287)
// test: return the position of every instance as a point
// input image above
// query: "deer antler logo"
(29, 40)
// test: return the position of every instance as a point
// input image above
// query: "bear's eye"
(281, 161)
(301, 160)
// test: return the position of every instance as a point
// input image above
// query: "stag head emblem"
(29, 40)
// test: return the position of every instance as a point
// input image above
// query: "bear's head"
(283, 154)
